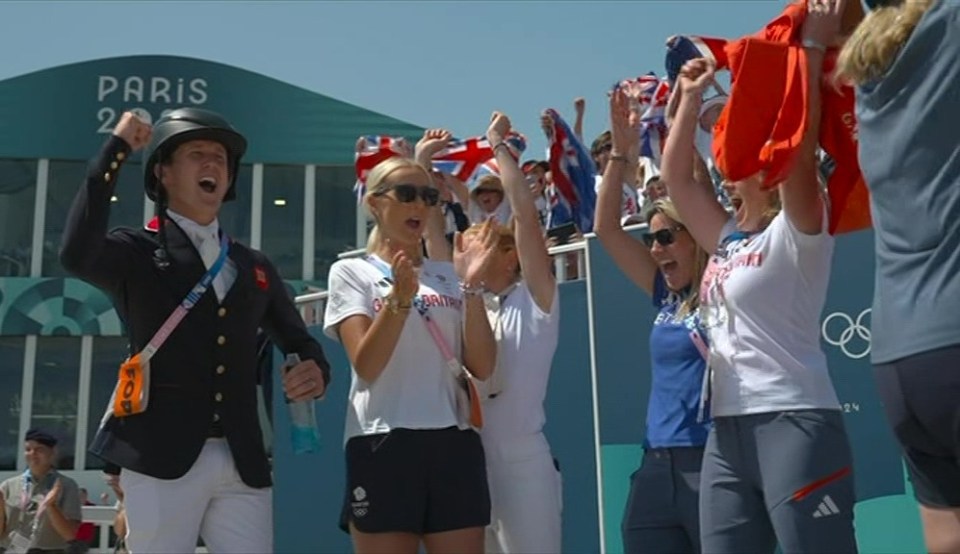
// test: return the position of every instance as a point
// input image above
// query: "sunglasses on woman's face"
(408, 193)
(664, 237)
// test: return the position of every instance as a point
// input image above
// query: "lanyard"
(26, 494)
(26, 490)
(188, 302)
(421, 307)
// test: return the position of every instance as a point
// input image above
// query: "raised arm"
(435, 236)
(579, 106)
(435, 240)
(87, 251)
(535, 263)
(800, 193)
(471, 262)
(630, 255)
(459, 190)
(704, 217)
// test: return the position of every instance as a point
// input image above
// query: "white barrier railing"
(569, 265)
(102, 517)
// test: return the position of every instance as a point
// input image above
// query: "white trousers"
(526, 496)
(210, 501)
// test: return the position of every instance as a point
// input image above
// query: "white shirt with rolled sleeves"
(761, 299)
(416, 388)
(526, 490)
(526, 341)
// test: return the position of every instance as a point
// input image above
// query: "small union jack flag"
(650, 95)
(463, 157)
(681, 49)
(373, 149)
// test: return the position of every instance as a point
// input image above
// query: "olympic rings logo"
(853, 331)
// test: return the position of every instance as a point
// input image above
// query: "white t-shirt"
(761, 299)
(526, 341)
(416, 388)
(502, 213)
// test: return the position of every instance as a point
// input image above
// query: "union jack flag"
(651, 95)
(573, 172)
(373, 149)
(489, 167)
(462, 158)
(681, 49)
(653, 119)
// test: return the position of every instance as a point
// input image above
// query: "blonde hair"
(488, 182)
(506, 240)
(691, 301)
(875, 43)
(376, 186)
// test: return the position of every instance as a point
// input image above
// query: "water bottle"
(304, 434)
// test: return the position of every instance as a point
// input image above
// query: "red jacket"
(763, 123)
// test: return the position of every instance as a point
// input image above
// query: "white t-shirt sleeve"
(541, 319)
(350, 294)
(807, 251)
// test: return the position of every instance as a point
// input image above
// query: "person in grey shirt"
(41, 506)
(904, 59)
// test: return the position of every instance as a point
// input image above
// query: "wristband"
(505, 145)
(394, 306)
(471, 291)
(810, 43)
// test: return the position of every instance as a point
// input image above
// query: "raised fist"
(499, 127)
(133, 130)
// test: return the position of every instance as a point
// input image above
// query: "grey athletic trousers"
(780, 477)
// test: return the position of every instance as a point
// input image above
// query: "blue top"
(678, 369)
(909, 125)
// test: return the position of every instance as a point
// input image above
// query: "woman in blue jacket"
(662, 513)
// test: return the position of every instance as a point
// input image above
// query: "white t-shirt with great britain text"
(416, 388)
(761, 300)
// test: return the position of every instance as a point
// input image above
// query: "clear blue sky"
(430, 63)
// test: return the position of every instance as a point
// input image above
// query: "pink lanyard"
(432, 326)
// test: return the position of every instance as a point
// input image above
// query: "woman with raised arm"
(903, 59)
(523, 304)
(661, 515)
(415, 468)
(778, 465)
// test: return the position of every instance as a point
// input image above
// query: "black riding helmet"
(186, 124)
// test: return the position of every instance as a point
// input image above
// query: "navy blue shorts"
(921, 397)
(416, 481)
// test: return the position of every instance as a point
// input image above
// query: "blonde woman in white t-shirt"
(415, 471)
(777, 465)
(523, 304)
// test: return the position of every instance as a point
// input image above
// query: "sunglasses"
(664, 237)
(407, 193)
